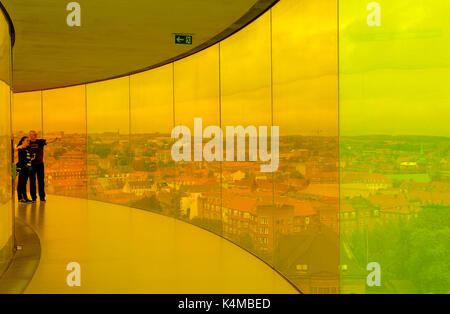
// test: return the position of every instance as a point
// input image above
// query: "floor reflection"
(33, 213)
(124, 250)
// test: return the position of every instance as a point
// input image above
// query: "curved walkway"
(125, 250)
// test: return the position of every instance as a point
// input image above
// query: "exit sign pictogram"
(181, 39)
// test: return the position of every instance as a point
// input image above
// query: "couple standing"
(31, 166)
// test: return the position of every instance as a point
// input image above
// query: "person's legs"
(33, 183)
(19, 187)
(40, 171)
(27, 175)
(22, 185)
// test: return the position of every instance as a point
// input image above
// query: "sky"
(394, 79)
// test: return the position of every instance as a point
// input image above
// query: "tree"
(102, 150)
(246, 241)
(415, 251)
(59, 152)
(149, 203)
(429, 261)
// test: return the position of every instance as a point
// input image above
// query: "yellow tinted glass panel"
(6, 210)
(64, 116)
(108, 109)
(109, 154)
(247, 198)
(395, 187)
(306, 110)
(197, 96)
(27, 113)
(152, 101)
(245, 66)
(197, 88)
(151, 126)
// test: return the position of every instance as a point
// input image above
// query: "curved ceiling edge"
(261, 7)
(12, 32)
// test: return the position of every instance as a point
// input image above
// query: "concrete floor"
(124, 250)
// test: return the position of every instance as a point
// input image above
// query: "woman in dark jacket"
(24, 167)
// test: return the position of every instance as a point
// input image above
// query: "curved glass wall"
(395, 183)
(362, 164)
(115, 142)
(247, 194)
(305, 107)
(6, 209)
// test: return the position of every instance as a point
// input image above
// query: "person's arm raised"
(52, 141)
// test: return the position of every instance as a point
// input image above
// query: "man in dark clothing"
(37, 150)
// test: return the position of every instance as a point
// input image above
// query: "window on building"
(302, 267)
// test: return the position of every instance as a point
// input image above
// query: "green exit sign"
(183, 39)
